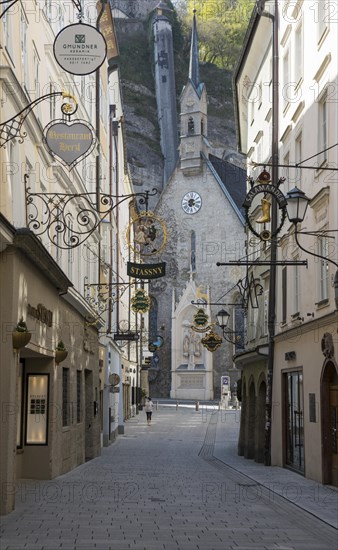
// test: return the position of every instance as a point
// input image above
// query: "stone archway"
(260, 422)
(329, 422)
(249, 451)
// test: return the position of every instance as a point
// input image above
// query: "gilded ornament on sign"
(201, 318)
(146, 234)
(140, 301)
(211, 341)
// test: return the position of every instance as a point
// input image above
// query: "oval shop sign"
(80, 49)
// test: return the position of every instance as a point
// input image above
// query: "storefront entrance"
(294, 420)
(329, 399)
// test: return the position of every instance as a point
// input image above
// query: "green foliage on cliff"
(221, 28)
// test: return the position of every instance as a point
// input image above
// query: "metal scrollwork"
(12, 128)
(69, 219)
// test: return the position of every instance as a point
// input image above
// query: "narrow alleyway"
(166, 486)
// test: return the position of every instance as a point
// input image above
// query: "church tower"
(193, 114)
(200, 206)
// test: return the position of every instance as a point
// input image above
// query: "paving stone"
(177, 486)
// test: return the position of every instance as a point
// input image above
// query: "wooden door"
(333, 427)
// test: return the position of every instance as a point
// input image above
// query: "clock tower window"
(191, 125)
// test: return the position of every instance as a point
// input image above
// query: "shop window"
(37, 409)
(294, 420)
(65, 397)
(78, 395)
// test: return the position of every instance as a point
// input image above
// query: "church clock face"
(191, 202)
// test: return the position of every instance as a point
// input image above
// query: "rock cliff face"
(145, 159)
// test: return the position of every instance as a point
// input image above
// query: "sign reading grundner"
(80, 49)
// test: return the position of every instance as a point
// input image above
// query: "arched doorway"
(329, 414)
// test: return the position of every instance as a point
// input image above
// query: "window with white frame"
(323, 18)
(24, 47)
(7, 30)
(322, 129)
(323, 250)
(36, 64)
(284, 295)
(298, 69)
(296, 288)
(52, 102)
(266, 306)
(70, 251)
(298, 157)
(286, 170)
(286, 78)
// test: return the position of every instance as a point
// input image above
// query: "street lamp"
(297, 203)
(222, 321)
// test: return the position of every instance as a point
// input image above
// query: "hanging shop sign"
(140, 302)
(263, 187)
(201, 318)
(146, 271)
(80, 49)
(127, 336)
(155, 344)
(114, 379)
(69, 142)
(146, 234)
(211, 341)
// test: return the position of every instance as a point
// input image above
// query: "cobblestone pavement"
(167, 487)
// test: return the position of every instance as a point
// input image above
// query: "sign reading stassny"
(146, 271)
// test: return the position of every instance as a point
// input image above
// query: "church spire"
(194, 66)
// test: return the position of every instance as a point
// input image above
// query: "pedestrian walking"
(149, 409)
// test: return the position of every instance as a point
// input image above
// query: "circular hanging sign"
(80, 49)
(146, 234)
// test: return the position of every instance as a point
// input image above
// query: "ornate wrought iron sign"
(211, 341)
(80, 49)
(268, 191)
(68, 219)
(140, 302)
(146, 234)
(69, 141)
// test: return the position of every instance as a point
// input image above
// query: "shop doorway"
(294, 421)
(89, 414)
(329, 410)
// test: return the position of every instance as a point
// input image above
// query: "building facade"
(304, 382)
(53, 260)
